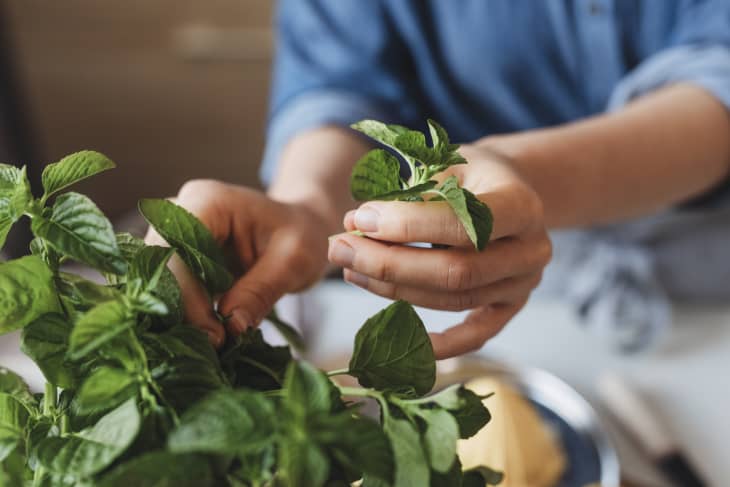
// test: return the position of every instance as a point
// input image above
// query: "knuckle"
(195, 187)
(386, 269)
(464, 301)
(459, 275)
(261, 296)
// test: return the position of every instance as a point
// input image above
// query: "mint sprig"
(377, 175)
(135, 396)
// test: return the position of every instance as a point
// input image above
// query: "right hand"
(281, 247)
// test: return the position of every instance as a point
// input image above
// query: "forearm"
(661, 150)
(314, 171)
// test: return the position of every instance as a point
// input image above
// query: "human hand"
(282, 248)
(494, 284)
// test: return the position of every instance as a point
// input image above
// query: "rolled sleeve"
(336, 63)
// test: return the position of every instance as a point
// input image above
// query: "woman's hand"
(282, 247)
(494, 283)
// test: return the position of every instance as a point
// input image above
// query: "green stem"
(64, 424)
(371, 393)
(333, 373)
(49, 399)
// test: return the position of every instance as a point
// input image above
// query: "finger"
(479, 326)
(253, 296)
(196, 303)
(439, 269)
(507, 290)
(514, 208)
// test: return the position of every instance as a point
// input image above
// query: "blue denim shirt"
(481, 67)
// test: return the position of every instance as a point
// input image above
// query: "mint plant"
(377, 175)
(137, 397)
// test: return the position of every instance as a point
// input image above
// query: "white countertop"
(685, 378)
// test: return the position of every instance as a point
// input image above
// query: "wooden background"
(169, 89)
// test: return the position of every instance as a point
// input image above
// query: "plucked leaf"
(472, 213)
(15, 197)
(105, 389)
(393, 351)
(226, 422)
(192, 240)
(99, 325)
(77, 228)
(376, 173)
(72, 169)
(91, 451)
(45, 341)
(161, 469)
(26, 292)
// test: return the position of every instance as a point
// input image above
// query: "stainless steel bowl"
(584, 437)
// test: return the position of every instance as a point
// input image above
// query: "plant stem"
(333, 373)
(64, 424)
(371, 393)
(49, 399)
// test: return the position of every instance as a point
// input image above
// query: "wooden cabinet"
(169, 89)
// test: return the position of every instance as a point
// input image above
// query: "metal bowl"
(591, 457)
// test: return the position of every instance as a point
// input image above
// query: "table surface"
(685, 378)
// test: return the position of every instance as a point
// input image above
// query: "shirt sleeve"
(336, 63)
(698, 53)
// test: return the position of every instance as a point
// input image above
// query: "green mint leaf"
(252, 363)
(440, 438)
(482, 476)
(14, 385)
(148, 303)
(393, 351)
(26, 292)
(192, 240)
(91, 451)
(472, 213)
(42, 249)
(161, 469)
(443, 146)
(183, 381)
(13, 422)
(290, 334)
(411, 194)
(307, 390)
(78, 229)
(302, 464)
(184, 341)
(15, 197)
(72, 169)
(45, 340)
(356, 442)
(96, 327)
(83, 294)
(471, 415)
(105, 389)
(226, 422)
(13, 470)
(453, 478)
(376, 173)
(149, 264)
(411, 464)
(386, 134)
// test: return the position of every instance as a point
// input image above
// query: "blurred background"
(170, 90)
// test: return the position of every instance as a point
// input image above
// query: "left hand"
(494, 283)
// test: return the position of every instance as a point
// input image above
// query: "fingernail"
(341, 253)
(366, 219)
(240, 321)
(357, 279)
